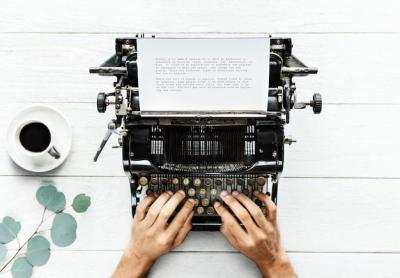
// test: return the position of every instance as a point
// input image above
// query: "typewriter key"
(164, 181)
(205, 202)
(186, 181)
(261, 181)
(210, 210)
(208, 181)
(143, 181)
(154, 181)
(251, 182)
(245, 192)
(149, 192)
(203, 192)
(196, 202)
(229, 181)
(197, 182)
(240, 181)
(200, 210)
(218, 181)
(175, 181)
(191, 192)
(159, 191)
(213, 192)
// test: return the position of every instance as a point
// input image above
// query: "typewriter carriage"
(172, 153)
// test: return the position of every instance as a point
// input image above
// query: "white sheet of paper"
(203, 74)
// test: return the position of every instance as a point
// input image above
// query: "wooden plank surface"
(316, 215)
(343, 141)
(216, 265)
(199, 16)
(54, 67)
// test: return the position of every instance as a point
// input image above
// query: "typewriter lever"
(111, 128)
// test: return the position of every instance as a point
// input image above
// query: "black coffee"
(35, 137)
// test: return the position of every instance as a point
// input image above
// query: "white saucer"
(60, 131)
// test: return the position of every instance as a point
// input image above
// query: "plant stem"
(23, 245)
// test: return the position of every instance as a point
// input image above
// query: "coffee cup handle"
(54, 153)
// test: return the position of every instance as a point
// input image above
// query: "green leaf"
(81, 203)
(9, 229)
(38, 251)
(3, 252)
(21, 268)
(50, 198)
(63, 230)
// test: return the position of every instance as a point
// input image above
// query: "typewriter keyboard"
(205, 190)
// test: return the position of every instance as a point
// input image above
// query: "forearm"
(280, 268)
(131, 266)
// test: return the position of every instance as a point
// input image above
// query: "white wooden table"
(339, 202)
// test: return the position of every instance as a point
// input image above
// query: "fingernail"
(224, 193)
(182, 192)
(170, 193)
(235, 193)
(191, 200)
(217, 204)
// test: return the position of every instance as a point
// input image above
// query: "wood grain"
(216, 265)
(199, 16)
(315, 215)
(54, 67)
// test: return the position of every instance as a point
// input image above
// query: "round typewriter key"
(149, 192)
(196, 202)
(251, 182)
(197, 182)
(205, 202)
(210, 210)
(240, 181)
(213, 192)
(154, 181)
(175, 181)
(191, 192)
(186, 181)
(159, 191)
(229, 181)
(218, 181)
(200, 210)
(164, 181)
(245, 192)
(203, 192)
(261, 181)
(143, 181)
(208, 181)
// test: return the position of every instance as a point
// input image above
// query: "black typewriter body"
(202, 155)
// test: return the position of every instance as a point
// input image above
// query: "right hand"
(259, 240)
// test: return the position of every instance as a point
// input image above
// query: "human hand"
(259, 240)
(152, 236)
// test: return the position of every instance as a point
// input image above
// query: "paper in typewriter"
(195, 75)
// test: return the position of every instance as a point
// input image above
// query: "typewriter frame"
(138, 135)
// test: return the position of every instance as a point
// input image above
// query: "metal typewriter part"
(202, 155)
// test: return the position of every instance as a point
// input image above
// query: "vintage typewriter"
(202, 155)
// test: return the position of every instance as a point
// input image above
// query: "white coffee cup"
(34, 139)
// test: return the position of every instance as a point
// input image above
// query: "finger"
(143, 207)
(169, 208)
(253, 209)
(180, 218)
(182, 234)
(271, 207)
(155, 209)
(238, 210)
(229, 221)
(229, 235)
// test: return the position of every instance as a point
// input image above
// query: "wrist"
(278, 267)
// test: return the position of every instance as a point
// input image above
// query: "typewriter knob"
(316, 103)
(101, 102)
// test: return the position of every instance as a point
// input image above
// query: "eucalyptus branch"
(23, 245)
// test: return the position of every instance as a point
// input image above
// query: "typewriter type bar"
(199, 154)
